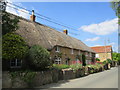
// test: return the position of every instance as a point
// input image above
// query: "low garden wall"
(40, 78)
(35, 79)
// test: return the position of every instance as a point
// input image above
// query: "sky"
(94, 23)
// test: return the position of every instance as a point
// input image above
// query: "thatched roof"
(38, 34)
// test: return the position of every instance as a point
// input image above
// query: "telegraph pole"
(105, 49)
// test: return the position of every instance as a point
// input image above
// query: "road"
(105, 79)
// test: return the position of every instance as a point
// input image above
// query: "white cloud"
(98, 45)
(92, 39)
(113, 43)
(103, 28)
(19, 12)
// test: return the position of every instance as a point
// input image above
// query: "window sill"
(57, 51)
(15, 67)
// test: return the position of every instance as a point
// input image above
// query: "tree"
(13, 46)
(116, 56)
(2, 5)
(9, 23)
(84, 60)
(115, 4)
(39, 57)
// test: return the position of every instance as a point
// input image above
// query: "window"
(57, 49)
(90, 54)
(72, 51)
(15, 63)
(58, 60)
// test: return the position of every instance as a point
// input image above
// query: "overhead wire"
(38, 15)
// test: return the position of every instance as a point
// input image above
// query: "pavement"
(105, 79)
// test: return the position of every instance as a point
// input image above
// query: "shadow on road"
(53, 85)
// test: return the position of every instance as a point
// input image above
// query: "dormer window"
(57, 49)
(72, 51)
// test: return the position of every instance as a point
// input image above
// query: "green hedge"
(60, 66)
(13, 46)
(76, 66)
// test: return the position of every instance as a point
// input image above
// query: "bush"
(13, 46)
(109, 60)
(97, 59)
(60, 66)
(95, 68)
(39, 57)
(9, 24)
(76, 66)
(84, 60)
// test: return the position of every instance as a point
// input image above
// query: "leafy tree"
(13, 46)
(39, 57)
(115, 4)
(9, 23)
(116, 56)
(2, 5)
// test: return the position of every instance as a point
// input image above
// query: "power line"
(44, 17)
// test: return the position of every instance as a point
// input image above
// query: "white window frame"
(58, 60)
(72, 51)
(16, 63)
(57, 49)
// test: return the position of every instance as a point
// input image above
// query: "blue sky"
(93, 22)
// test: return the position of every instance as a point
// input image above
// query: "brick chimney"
(32, 17)
(65, 31)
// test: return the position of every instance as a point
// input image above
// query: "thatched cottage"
(63, 48)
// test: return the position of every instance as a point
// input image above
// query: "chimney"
(65, 31)
(32, 17)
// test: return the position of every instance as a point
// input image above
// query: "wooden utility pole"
(105, 49)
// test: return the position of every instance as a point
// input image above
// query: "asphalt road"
(105, 79)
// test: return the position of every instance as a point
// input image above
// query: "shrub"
(13, 46)
(97, 59)
(109, 60)
(76, 66)
(105, 62)
(60, 66)
(84, 60)
(9, 24)
(95, 68)
(39, 57)
(26, 75)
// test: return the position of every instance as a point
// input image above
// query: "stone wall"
(46, 77)
(41, 78)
